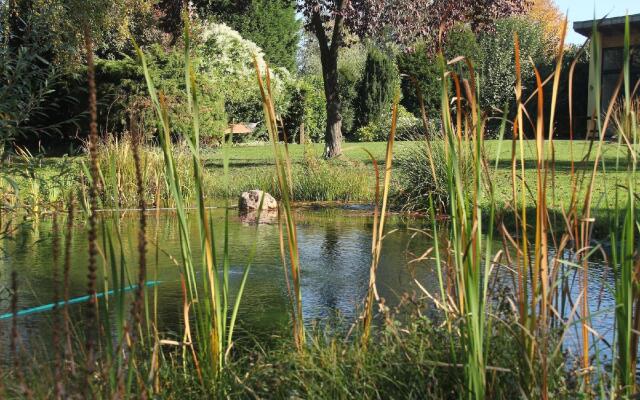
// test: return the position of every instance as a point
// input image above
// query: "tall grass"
(285, 183)
(209, 303)
(624, 247)
(540, 277)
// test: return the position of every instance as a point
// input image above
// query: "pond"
(335, 255)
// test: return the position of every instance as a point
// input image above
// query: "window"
(612, 63)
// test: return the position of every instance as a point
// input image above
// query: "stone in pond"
(251, 201)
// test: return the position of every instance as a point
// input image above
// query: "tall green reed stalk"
(470, 259)
(284, 180)
(214, 314)
(625, 262)
(379, 217)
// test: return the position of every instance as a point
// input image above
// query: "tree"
(547, 13)
(375, 90)
(401, 20)
(271, 24)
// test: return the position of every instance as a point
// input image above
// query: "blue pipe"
(75, 300)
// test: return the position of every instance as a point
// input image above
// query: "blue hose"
(75, 300)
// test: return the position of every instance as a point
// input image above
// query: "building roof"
(607, 25)
(241, 129)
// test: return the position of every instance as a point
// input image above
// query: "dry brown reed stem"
(91, 329)
(15, 357)
(142, 241)
(56, 298)
(283, 169)
(68, 351)
(378, 227)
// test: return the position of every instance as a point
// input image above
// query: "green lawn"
(355, 151)
(611, 171)
(349, 178)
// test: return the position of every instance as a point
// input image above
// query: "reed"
(625, 262)
(379, 217)
(66, 320)
(93, 206)
(214, 314)
(284, 181)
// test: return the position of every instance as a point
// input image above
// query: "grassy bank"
(45, 180)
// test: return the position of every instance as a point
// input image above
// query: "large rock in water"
(251, 201)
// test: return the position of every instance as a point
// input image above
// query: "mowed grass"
(249, 160)
(352, 177)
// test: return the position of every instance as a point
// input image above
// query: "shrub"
(461, 41)
(308, 107)
(123, 94)
(375, 90)
(419, 64)
(350, 69)
(34, 97)
(408, 127)
(416, 181)
(226, 58)
(272, 25)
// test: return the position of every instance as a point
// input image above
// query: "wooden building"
(611, 40)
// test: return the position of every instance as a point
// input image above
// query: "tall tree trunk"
(329, 61)
(333, 131)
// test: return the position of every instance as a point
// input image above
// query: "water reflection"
(335, 257)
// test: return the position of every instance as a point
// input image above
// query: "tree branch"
(316, 21)
(336, 37)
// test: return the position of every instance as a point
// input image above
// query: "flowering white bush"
(228, 58)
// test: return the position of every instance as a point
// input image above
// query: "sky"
(581, 10)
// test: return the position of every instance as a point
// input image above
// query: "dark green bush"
(419, 64)
(375, 90)
(123, 93)
(307, 109)
(408, 127)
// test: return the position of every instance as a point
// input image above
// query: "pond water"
(335, 255)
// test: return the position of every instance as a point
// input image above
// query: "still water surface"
(335, 255)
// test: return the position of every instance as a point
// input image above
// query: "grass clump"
(422, 176)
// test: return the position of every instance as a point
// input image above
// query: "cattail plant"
(284, 180)
(215, 315)
(93, 206)
(136, 309)
(625, 260)
(378, 225)
(66, 323)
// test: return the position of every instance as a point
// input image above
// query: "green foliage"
(461, 41)
(350, 68)
(122, 90)
(33, 95)
(274, 27)
(408, 127)
(308, 107)
(498, 67)
(420, 65)
(375, 90)
(416, 181)
(226, 58)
